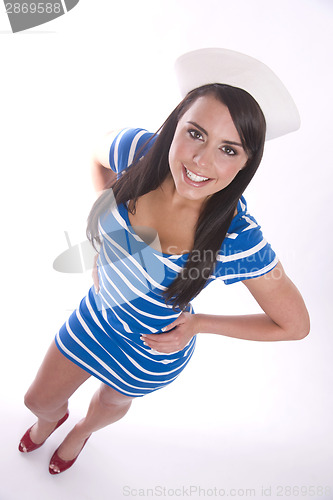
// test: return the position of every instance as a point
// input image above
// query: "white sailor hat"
(215, 65)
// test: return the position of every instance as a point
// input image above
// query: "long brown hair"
(217, 213)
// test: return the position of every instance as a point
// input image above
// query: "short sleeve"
(244, 253)
(125, 145)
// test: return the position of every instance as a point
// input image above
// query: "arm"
(101, 172)
(284, 317)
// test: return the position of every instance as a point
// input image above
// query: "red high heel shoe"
(26, 444)
(63, 464)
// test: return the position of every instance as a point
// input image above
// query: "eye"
(228, 150)
(195, 134)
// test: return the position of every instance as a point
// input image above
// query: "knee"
(32, 401)
(37, 402)
(108, 398)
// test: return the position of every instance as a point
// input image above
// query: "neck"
(176, 201)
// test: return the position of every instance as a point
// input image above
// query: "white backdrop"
(249, 419)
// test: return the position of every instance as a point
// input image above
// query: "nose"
(203, 157)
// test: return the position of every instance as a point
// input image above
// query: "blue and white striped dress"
(102, 335)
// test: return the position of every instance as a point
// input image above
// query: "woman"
(174, 220)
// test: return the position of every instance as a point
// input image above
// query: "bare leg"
(106, 407)
(57, 379)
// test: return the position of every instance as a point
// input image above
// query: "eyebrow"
(206, 133)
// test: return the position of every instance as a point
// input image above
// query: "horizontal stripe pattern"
(103, 334)
(244, 253)
(117, 358)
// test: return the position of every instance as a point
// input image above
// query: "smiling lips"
(197, 179)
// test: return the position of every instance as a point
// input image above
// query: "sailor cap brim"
(216, 65)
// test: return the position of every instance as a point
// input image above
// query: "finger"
(173, 325)
(158, 345)
(163, 347)
(169, 327)
(153, 342)
(151, 336)
(158, 337)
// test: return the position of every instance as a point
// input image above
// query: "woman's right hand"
(95, 275)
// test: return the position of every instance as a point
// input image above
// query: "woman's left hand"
(182, 331)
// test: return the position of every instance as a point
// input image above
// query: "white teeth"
(194, 177)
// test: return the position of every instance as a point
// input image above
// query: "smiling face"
(206, 153)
